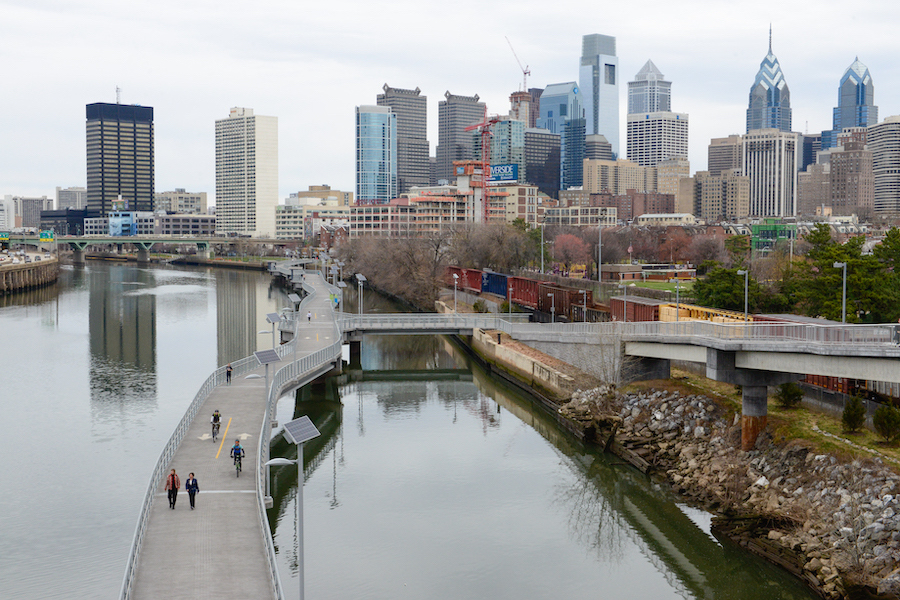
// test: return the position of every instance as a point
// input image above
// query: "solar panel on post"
(266, 356)
(300, 430)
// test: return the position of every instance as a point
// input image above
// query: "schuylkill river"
(429, 480)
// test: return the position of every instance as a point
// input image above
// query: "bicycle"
(237, 465)
(215, 431)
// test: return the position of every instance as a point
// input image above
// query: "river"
(430, 479)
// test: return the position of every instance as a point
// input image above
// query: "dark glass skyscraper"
(455, 113)
(856, 103)
(770, 98)
(119, 157)
(412, 140)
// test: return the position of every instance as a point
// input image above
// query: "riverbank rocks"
(840, 521)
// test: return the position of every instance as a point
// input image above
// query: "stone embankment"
(27, 276)
(833, 523)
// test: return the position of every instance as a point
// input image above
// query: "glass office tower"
(376, 154)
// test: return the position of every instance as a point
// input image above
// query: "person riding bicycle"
(216, 420)
(237, 452)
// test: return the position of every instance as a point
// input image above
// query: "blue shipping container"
(494, 283)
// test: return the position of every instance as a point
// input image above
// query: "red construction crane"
(484, 128)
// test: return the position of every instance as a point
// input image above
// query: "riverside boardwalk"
(219, 549)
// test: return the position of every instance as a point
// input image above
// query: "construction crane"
(484, 129)
(525, 71)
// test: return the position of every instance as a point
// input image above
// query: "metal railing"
(425, 322)
(240, 367)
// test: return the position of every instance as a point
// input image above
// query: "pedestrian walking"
(309, 316)
(228, 371)
(172, 484)
(190, 485)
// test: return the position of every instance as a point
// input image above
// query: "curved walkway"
(220, 549)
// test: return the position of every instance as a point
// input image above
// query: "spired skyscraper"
(599, 80)
(653, 132)
(770, 98)
(119, 157)
(856, 103)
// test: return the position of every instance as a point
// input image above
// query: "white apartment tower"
(246, 174)
(654, 133)
(770, 162)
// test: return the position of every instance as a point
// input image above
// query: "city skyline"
(229, 57)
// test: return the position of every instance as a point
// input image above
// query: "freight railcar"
(524, 291)
(494, 283)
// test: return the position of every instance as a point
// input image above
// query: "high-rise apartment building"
(376, 154)
(852, 180)
(542, 160)
(120, 161)
(724, 154)
(856, 103)
(770, 97)
(72, 197)
(599, 79)
(669, 173)
(597, 147)
(560, 106)
(455, 113)
(618, 176)
(723, 197)
(520, 107)
(412, 139)
(655, 137)
(884, 142)
(649, 92)
(770, 162)
(246, 173)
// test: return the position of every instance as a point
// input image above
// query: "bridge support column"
(78, 256)
(355, 354)
(754, 414)
(143, 255)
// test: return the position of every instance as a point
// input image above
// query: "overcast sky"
(310, 63)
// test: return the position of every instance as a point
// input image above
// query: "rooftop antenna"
(118, 95)
(525, 71)
(770, 38)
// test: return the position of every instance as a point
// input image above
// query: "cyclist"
(216, 420)
(237, 452)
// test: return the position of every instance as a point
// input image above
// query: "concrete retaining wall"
(17, 278)
(529, 370)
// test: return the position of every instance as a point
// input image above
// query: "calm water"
(457, 488)
(440, 486)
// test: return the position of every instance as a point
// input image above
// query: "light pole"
(599, 248)
(341, 267)
(746, 274)
(542, 247)
(843, 265)
(584, 302)
(455, 285)
(625, 302)
(298, 432)
(677, 298)
(509, 302)
(360, 278)
(552, 308)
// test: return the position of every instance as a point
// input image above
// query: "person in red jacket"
(172, 485)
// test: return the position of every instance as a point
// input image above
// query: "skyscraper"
(598, 76)
(246, 173)
(770, 162)
(770, 98)
(649, 92)
(561, 113)
(856, 103)
(884, 142)
(412, 139)
(724, 154)
(542, 160)
(376, 154)
(507, 145)
(455, 113)
(119, 157)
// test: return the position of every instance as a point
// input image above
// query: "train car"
(448, 276)
(634, 308)
(559, 299)
(470, 280)
(494, 283)
(693, 312)
(524, 291)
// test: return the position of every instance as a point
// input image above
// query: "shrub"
(789, 395)
(479, 306)
(854, 415)
(886, 421)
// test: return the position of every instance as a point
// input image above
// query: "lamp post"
(542, 247)
(599, 248)
(341, 286)
(624, 302)
(341, 267)
(360, 278)
(584, 302)
(298, 432)
(746, 274)
(509, 302)
(677, 298)
(843, 265)
(455, 285)
(552, 308)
